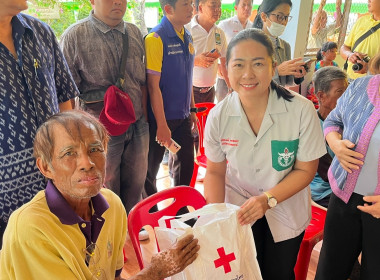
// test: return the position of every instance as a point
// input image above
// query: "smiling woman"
(263, 119)
(250, 58)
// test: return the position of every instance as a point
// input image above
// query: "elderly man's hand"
(174, 260)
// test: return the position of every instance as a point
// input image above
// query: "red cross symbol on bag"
(224, 260)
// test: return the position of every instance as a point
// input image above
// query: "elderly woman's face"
(78, 162)
(250, 68)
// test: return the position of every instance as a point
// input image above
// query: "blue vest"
(177, 71)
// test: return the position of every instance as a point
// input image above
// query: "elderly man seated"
(329, 84)
(75, 229)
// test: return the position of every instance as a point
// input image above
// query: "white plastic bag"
(227, 249)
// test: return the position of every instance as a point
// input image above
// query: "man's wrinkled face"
(77, 167)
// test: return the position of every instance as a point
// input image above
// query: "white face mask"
(276, 29)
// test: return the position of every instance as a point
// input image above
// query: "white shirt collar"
(194, 23)
(275, 105)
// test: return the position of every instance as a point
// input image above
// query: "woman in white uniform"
(263, 144)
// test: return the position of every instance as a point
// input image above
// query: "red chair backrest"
(203, 110)
(139, 216)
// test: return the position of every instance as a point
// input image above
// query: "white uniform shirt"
(232, 26)
(290, 127)
(205, 42)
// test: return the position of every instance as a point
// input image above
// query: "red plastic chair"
(313, 234)
(201, 159)
(139, 216)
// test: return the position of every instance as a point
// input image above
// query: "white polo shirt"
(204, 41)
(289, 131)
(232, 26)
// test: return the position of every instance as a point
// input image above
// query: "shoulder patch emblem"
(191, 48)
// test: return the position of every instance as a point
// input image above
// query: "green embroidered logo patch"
(284, 153)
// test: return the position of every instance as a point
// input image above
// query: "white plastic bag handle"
(208, 209)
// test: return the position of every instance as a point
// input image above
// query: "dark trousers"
(348, 231)
(276, 260)
(183, 161)
(208, 96)
(199, 97)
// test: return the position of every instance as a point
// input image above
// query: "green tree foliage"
(71, 12)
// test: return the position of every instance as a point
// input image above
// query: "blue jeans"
(127, 163)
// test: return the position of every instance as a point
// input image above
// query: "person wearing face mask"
(272, 17)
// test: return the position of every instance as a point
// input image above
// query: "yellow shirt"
(155, 50)
(38, 246)
(370, 45)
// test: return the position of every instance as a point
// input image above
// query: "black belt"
(203, 89)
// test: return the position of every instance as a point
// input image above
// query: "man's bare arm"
(171, 261)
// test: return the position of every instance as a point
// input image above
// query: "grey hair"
(324, 76)
(74, 119)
